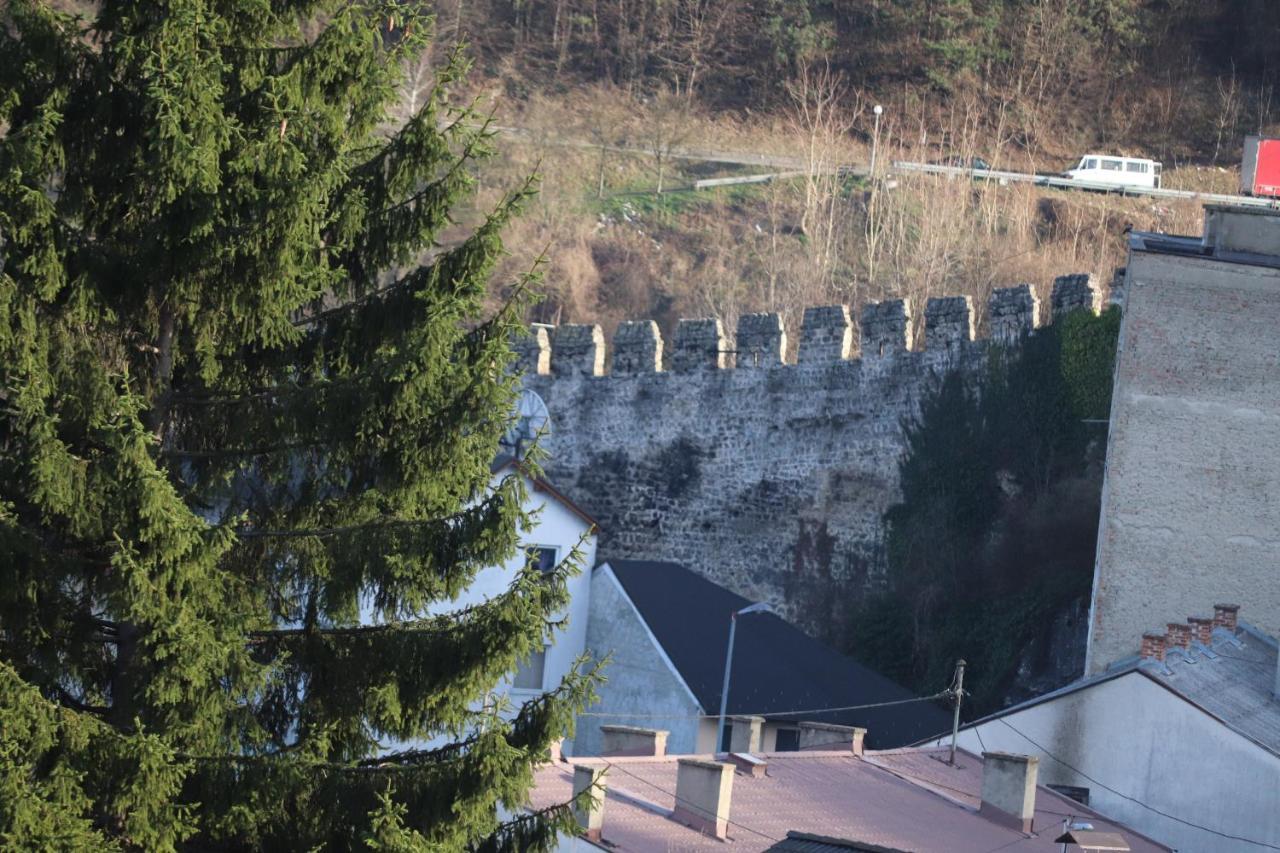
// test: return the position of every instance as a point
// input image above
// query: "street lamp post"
(875, 138)
(728, 663)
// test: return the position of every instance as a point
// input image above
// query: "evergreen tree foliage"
(248, 402)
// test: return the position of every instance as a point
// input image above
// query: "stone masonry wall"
(769, 478)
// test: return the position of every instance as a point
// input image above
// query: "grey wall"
(769, 478)
(639, 680)
(1191, 504)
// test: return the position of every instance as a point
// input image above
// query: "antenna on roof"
(530, 421)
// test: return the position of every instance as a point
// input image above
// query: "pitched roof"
(1235, 685)
(540, 484)
(776, 667)
(862, 803)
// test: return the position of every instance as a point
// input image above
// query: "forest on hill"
(1173, 78)
(606, 93)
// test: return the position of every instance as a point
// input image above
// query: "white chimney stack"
(746, 734)
(630, 740)
(589, 811)
(703, 793)
(1009, 788)
(830, 737)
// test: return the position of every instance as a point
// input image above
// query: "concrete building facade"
(1191, 499)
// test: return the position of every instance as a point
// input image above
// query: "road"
(790, 167)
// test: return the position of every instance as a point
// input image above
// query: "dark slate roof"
(804, 842)
(776, 667)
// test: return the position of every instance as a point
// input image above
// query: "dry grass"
(791, 244)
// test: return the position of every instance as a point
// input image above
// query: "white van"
(1116, 171)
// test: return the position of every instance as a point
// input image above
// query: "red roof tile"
(906, 799)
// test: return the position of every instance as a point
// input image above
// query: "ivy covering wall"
(996, 530)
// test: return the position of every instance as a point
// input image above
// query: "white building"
(558, 526)
(1182, 742)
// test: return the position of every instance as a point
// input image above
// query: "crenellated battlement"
(827, 334)
(768, 472)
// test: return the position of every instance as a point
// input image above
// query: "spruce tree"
(248, 402)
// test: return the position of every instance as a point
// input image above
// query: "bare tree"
(666, 126)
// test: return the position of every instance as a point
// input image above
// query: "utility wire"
(1135, 800)
(610, 766)
(939, 695)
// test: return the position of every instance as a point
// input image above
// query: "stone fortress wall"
(767, 477)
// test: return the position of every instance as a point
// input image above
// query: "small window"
(529, 675)
(1080, 795)
(1091, 163)
(1135, 167)
(788, 740)
(1111, 165)
(544, 558)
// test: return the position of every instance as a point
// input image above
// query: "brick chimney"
(746, 735)
(1202, 626)
(1009, 787)
(630, 740)
(1179, 636)
(1225, 616)
(589, 811)
(704, 790)
(830, 737)
(1153, 646)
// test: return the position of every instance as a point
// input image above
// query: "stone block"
(886, 327)
(826, 334)
(637, 348)
(1013, 312)
(700, 344)
(948, 322)
(533, 352)
(761, 340)
(1079, 292)
(577, 350)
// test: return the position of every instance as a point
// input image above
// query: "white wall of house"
(643, 687)
(1144, 741)
(553, 525)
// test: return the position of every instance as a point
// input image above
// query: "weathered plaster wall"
(640, 680)
(1191, 505)
(1134, 736)
(769, 478)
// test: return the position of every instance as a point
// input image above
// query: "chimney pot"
(1009, 788)
(1153, 646)
(630, 740)
(1225, 616)
(746, 734)
(589, 811)
(704, 790)
(1203, 628)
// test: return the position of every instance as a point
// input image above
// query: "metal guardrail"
(1070, 184)
(795, 167)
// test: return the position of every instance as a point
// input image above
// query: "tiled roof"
(877, 800)
(776, 666)
(1235, 686)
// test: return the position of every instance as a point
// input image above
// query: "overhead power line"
(1135, 800)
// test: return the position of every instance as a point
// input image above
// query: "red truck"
(1260, 172)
